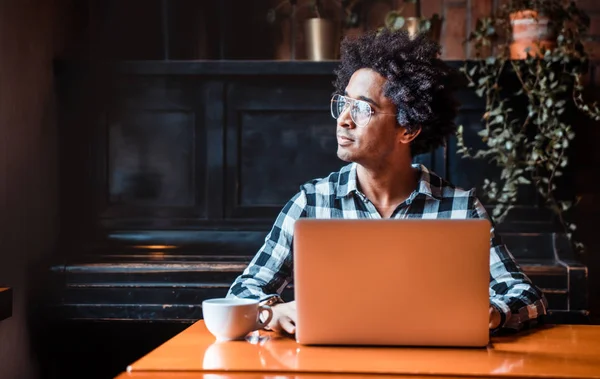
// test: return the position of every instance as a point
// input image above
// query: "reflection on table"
(551, 351)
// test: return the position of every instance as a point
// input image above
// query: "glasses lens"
(361, 112)
(338, 105)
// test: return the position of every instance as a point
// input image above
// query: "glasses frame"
(352, 106)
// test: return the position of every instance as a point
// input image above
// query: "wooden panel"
(215, 148)
(150, 151)
(269, 131)
(462, 170)
(151, 159)
(454, 30)
(268, 152)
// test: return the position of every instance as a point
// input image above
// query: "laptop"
(407, 282)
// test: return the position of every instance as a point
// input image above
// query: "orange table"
(564, 351)
(257, 375)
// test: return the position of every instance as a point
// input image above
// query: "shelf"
(213, 67)
(208, 67)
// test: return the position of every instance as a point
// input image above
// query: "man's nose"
(345, 120)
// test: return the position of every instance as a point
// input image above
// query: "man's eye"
(363, 107)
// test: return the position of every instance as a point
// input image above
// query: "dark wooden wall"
(28, 166)
(188, 163)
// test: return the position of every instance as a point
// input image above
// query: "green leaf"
(523, 180)
(472, 71)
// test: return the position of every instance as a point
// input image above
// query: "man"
(392, 102)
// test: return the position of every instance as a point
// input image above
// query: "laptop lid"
(410, 282)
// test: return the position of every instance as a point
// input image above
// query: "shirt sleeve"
(270, 271)
(512, 293)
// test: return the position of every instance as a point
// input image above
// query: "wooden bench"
(170, 284)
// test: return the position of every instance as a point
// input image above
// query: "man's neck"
(389, 185)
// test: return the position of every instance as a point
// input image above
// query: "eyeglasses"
(360, 110)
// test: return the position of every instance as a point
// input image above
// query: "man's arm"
(270, 271)
(512, 293)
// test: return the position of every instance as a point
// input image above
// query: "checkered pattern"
(337, 196)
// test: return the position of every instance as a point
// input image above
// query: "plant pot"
(530, 30)
(319, 34)
(394, 20)
(412, 25)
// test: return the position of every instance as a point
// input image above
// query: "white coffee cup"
(232, 319)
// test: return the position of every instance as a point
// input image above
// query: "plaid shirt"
(337, 196)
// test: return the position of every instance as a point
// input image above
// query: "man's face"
(379, 138)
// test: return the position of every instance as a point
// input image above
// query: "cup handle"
(261, 309)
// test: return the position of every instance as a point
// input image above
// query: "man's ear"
(407, 136)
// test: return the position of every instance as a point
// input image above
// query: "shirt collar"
(347, 182)
(429, 183)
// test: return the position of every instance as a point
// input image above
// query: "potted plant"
(408, 17)
(319, 35)
(527, 133)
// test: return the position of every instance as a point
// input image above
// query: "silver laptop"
(408, 282)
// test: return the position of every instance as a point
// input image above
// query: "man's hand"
(495, 317)
(284, 317)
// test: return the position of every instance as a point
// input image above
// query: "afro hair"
(419, 83)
